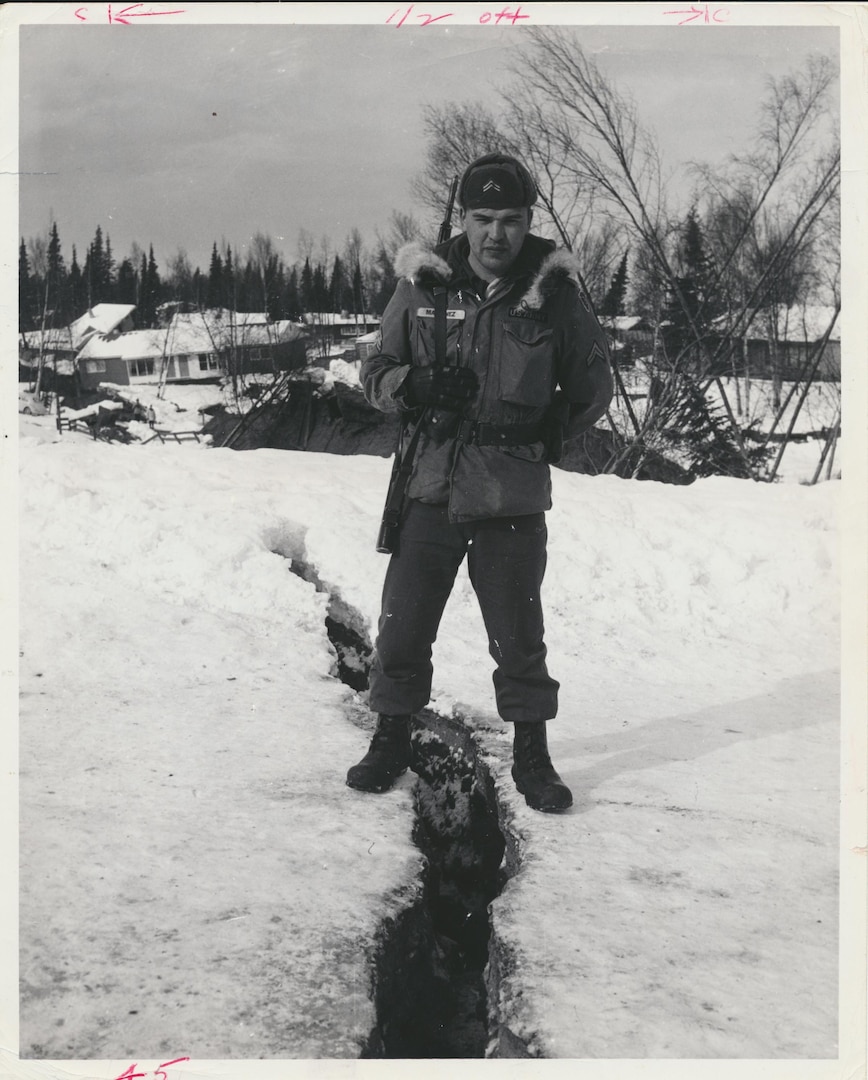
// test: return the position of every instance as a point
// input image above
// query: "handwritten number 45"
(131, 1073)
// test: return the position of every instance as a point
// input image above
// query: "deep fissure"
(430, 964)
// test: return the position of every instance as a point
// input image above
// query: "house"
(56, 347)
(783, 341)
(333, 329)
(198, 346)
(367, 345)
(629, 336)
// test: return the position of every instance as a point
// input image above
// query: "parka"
(527, 336)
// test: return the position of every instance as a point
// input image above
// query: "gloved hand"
(440, 384)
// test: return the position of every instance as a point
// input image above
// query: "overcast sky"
(182, 135)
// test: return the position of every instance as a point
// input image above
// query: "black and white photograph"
(436, 555)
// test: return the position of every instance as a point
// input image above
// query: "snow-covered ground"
(196, 878)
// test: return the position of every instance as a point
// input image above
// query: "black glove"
(442, 385)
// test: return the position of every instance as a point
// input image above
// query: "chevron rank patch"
(596, 353)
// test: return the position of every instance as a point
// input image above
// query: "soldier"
(518, 327)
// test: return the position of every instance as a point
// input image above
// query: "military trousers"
(506, 560)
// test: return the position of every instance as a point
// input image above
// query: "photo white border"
(852, 19)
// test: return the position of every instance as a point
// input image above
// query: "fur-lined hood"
(548, 268)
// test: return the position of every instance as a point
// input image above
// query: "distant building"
(332, 329)
(200, 346)
(367, 345)
(629, 336)
(783, 341)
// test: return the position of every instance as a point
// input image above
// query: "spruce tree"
(149, 291)
(126, 284)
(108, 270)
(358, 291)
(77, 288)
(292, 297)
(230, 292)
(321, 296)
(215, 280)
(338, 287)
(25, 291)
(308, 300)
(57, 301)
(613, 302)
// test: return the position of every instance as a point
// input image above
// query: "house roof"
(621, 322)
(213, 331)
(189, 334)
(99, 319)
(134, 345)
(55, 338)
(339, 318)
(796, 323)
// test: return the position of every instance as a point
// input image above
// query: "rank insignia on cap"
(491, 186)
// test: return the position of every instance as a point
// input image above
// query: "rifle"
(402, 467)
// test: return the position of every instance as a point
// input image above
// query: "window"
(141, 367)
(208, 362)
(95, 367)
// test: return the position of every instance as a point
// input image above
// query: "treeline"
(356, 279)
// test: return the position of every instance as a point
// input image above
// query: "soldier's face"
(495, 238)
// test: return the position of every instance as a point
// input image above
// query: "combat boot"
(387, 758)
(533, 772)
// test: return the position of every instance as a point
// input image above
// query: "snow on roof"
(200, 332)
(58, 337)
(365, 339)
(134, 345)
(338, 318)
(621, 322)
(99, 319)
(796, 323)
(212, 331)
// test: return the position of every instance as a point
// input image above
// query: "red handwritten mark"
(428, 19)
(129, 12)
(719, 15)
(506, 15)
(500, 16)
(82, 17)
(131, 1073)
(166, 1064)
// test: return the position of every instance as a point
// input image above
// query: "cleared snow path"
(196, 878)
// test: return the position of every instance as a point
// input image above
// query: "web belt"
(480, 434)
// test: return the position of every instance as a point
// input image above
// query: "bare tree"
(776, 199)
